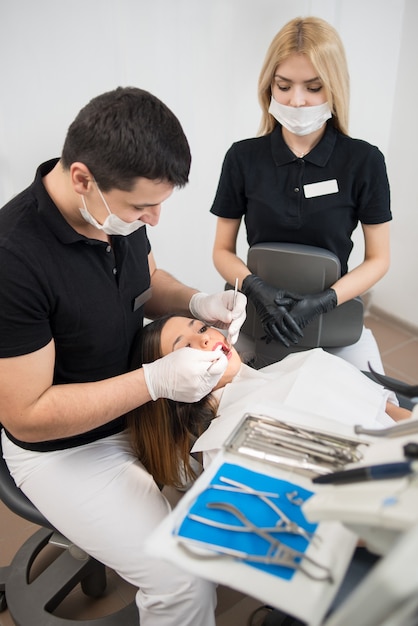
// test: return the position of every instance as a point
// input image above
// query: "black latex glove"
(310, 306)
(277, 323)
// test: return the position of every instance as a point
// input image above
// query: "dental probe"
(234, 301)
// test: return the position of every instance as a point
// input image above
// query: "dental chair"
(384, 593)
(301, 269)
(32, 602)
(388, 595)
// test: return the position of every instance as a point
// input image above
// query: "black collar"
(49, 211)
(319, 155)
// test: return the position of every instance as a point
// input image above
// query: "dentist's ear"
(81, 177)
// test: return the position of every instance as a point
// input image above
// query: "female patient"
(164, 431)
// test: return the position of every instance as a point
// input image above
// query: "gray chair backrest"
(302, 269)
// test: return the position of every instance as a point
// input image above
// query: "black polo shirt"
(274, 191)
(58, 284)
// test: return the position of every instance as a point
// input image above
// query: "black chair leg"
(94, 584)
(31, 602)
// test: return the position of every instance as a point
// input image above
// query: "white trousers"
(102, 499)
(362, 352)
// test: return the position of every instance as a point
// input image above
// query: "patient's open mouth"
(225, 349)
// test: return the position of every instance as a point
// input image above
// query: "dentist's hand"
(218, 310)
(271, 305)
(185, 375)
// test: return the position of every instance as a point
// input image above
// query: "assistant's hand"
(185, 375)
(312, 305)
(277, 323)
(218, 310)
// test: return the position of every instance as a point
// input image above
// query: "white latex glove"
(218, 310)
(185, 375)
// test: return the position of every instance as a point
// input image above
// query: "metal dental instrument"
(294, 498)
(316, 435)
(333, 442)
(243, 488)
(233, 527)
(284, 522)
(301, 449)
(408, 428)
(234, 301)
(266, 494)
(314, 441)
(284, 556)
(277, 554)
(298, 444)
(295, 464)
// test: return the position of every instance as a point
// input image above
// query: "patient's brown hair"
(163, 431)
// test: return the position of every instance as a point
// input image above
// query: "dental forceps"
(283, 524)
(277, 553)
(224, 526)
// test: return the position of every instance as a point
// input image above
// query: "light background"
(203, 59)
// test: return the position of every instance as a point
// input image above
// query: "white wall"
(203, 60)
(397, 293)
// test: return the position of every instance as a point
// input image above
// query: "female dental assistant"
(304, 180)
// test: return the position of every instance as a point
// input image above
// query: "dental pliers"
(277, 554)
(283, 524)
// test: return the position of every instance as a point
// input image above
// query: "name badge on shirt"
(324, 188)
(141, 299)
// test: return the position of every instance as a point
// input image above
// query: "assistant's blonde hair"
(322, 45)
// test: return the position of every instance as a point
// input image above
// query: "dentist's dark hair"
(163, 432)
(128, 133)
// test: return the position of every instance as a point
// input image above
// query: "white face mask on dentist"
(113, 225)
(300, 120)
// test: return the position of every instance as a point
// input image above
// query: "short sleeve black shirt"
(82, 293)
(265, 183)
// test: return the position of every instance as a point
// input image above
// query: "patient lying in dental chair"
(164, 431)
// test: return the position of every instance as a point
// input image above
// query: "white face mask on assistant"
(113, 225)
(300, 120)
